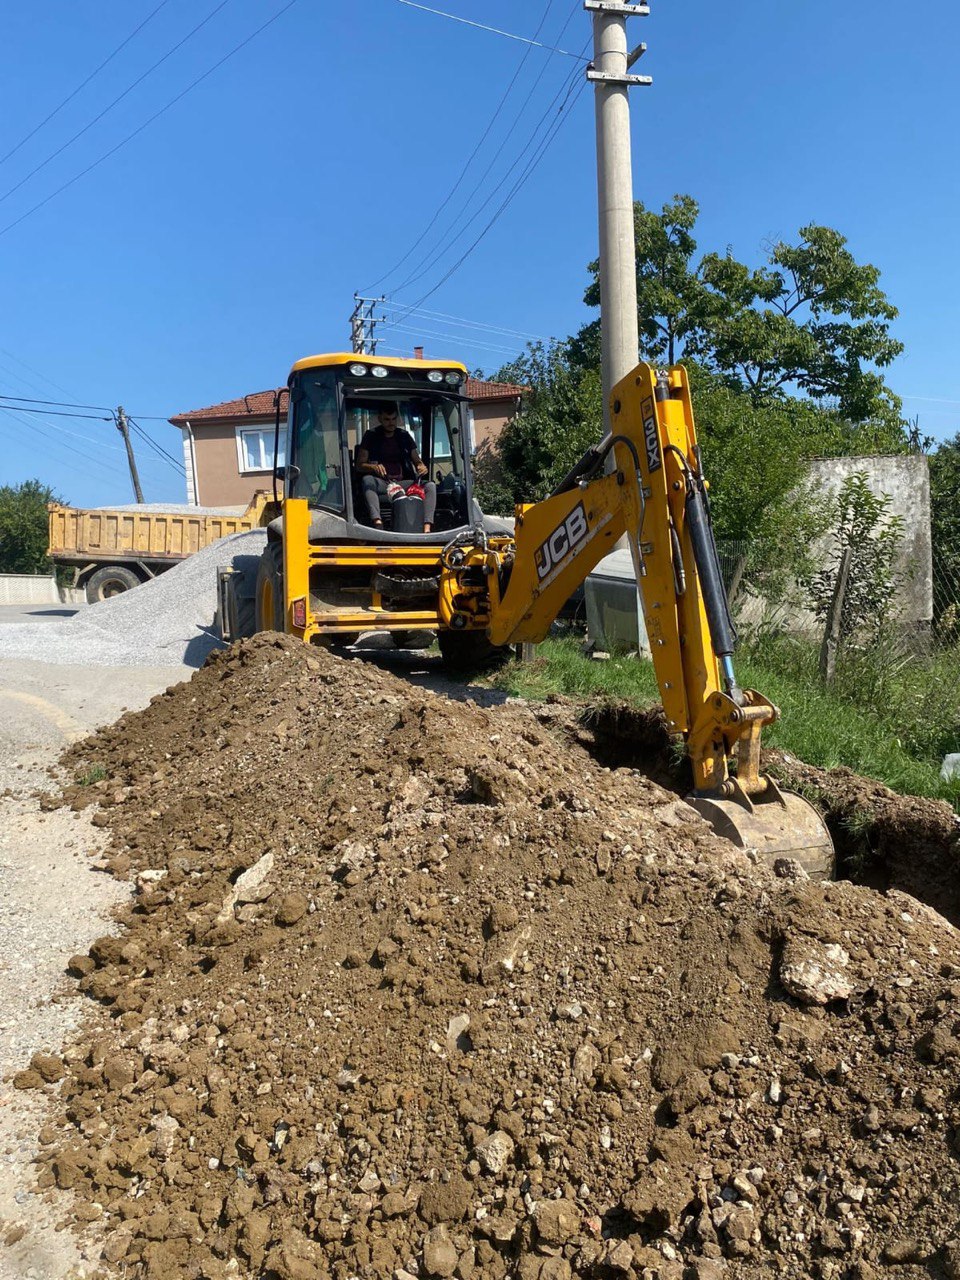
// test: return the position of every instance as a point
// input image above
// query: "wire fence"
(921, 611)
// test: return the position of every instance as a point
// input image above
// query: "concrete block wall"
(28, 588)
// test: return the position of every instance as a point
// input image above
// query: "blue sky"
(227, 238)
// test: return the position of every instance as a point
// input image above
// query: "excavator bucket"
(778, 824)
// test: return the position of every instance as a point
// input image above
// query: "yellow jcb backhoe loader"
(328, 574)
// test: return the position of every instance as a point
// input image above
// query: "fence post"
(734, 588)
(831, 636)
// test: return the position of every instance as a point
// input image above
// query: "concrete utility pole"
(125, 432)
(363, 322)
(620, 338)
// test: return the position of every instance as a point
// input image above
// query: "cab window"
(316, 442)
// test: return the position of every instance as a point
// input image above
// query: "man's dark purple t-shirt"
(391, 451)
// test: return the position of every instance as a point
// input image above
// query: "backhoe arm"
(657, 496)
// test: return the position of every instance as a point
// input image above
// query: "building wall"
(489, 419)
(219, 480)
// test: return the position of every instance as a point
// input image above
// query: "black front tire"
(412, 639)
(110, 581)
(470, 651)
(269, 603)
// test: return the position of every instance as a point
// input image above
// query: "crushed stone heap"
(414, 988)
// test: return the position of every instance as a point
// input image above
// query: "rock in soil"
(547, 1026)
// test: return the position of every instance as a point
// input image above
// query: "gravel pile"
(167, 621)
(412, 989)
(174, 508)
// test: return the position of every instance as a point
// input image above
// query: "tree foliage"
(945, 523)
(811, 319)
(668, 289)
(23, 527)
(561, 416)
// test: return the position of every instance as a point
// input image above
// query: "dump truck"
(111, 549)
(352, 551)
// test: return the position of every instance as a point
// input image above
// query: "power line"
(96, 71)
(456, 230)
(30, 369)
(57, 413)
(433, 333)
(495, 30)
(461, 322)
(518, 185)
(150, 119)
(82, 453)
(129, 89)
(470, 159)
(62, 404)
(158, 449)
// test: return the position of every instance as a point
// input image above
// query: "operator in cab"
(389, 463)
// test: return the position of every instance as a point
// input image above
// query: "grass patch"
(560, 667)
(93, 773)
(892, 735)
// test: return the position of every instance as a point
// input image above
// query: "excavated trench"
(882, 840)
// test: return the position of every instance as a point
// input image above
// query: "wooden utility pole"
(124, 430)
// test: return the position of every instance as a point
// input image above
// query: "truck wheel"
(466, 651)
(110, 581)
(269, 610)
(240, 607)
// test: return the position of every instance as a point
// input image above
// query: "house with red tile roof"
(228, 447)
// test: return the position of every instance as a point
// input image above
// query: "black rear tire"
(268, 603)
(110, 581)
(467, 651)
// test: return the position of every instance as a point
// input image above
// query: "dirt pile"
(414, 988)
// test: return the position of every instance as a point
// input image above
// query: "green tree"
(812, 318)
(558, 421)
(860, 521)
(945, 526)
(23, 527)
(754, 456)
(669, 291)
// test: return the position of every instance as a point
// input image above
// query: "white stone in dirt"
(813, 972)
(495, 1151)
(440, 1255)
(586, 1060)
(249, 887)
(455, 1029)
(249, 884)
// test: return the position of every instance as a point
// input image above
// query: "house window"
(255, 449)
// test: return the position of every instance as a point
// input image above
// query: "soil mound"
(415, 988)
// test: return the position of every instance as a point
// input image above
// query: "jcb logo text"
(564, 539)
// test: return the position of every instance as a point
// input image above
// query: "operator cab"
(334, 402)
